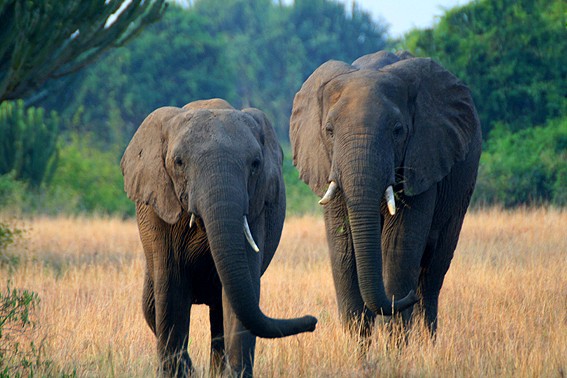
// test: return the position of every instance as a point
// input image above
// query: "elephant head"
(386, 121)
(223, 166)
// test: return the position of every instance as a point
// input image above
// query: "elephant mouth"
(245, 228)
(334, 187)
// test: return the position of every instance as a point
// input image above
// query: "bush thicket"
(28, 142)
(528, 167)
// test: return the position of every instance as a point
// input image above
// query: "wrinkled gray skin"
(220, 164)
(388, 119)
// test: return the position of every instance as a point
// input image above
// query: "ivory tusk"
(390, 200)
(249, 237)
(329, 194)
(192, 221)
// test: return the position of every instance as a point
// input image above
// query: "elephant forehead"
(365, 102)
(364, 83)
(215, 127)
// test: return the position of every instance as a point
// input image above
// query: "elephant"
(392, 144)
(210, 205)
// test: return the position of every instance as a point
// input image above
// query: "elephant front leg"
(217, 364)
(352, 311)
(172, 309)
(440, 251)
(404, 241)
(240, 343)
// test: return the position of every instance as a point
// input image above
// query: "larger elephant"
(392, 144)
(210, 206)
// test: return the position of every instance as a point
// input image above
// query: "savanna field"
(503, 307)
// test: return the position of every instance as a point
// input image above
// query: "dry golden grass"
(503, 308)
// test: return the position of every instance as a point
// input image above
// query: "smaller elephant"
(210, 205)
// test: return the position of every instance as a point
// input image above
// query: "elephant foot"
(218, 364)
(397, 330)
(177, 366)
(359, 323)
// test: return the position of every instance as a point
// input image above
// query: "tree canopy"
(512, 54)
(44, 39)
(252, 53)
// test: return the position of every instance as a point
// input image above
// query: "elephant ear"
(143, 166)
(273, 156)
(444, 122)
(306, 129)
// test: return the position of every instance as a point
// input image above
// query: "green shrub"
(300, 198)
(28, 142)
(8, 235)
(87, 180)
(18, 358)
(12, 193)
(528, 167)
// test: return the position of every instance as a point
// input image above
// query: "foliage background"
(512, 54)
(60, 148)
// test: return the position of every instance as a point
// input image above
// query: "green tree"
(87, 180)
(43, 39)
(274, 47)
(513, 55)
(29, 142)
(250, 52)
(263, 51)
(171, 63)
(328, 31)
(528, 167)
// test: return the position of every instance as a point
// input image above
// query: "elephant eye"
(398, 129)
(178, 161)
(329, 129)
(255, 166)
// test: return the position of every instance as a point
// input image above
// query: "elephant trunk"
(224, 224)
(364, 196)
(365, 226)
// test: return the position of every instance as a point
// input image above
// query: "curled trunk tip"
(406, 302)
